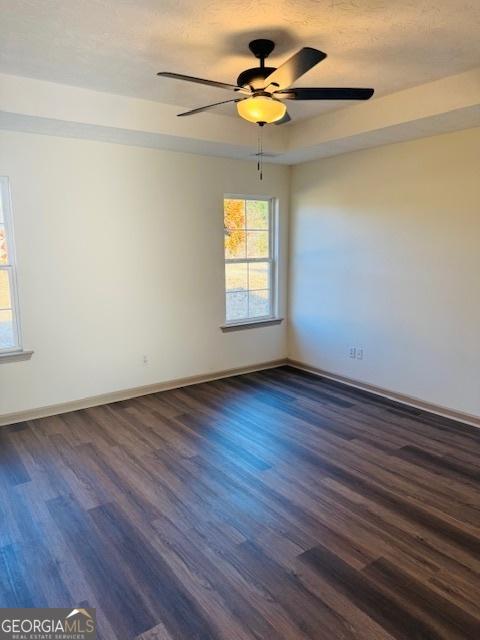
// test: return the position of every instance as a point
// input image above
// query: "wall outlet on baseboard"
(145, 360)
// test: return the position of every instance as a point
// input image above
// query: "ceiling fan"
(263, 89)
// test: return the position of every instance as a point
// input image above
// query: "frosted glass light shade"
(261, 109)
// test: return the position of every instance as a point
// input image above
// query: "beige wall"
(120, 256)
(120, 253)
(385, 255)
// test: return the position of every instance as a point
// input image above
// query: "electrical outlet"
(145, 360)
(359, 353)
(352, 352)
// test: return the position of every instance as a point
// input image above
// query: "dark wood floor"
(274, 506)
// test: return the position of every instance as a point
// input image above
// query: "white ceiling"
(118, 45)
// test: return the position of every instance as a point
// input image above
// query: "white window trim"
(8, 352)
(272, 317)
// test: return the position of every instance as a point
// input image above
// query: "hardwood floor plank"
(124, 606)
(157, 633)
(210, 579)
(11, 464)
(444, 615)
(14, 589)
(150, 575)
(370, 597)
(440, 465)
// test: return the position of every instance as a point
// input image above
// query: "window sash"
(238, 260)
(270, 260)
(10, 266)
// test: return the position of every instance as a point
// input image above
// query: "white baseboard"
(127, 394)
(411, 401)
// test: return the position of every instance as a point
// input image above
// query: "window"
(9, 323)
(250, 272)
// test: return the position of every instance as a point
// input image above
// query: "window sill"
(11, 356)
(250, 324)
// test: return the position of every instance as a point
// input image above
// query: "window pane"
(235, 244)
(234, 224)
(236, 276)
(258, 304)
(5, 296)
(3, 245)
(257, 214)
(6, 330)
(237, 306)
(258, 275)
(234, 213)
(257, 244)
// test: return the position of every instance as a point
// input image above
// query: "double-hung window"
(250, 265)
(9, 321)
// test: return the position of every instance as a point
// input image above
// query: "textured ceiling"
(119, 45)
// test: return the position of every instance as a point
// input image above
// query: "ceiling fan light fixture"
(261, 109)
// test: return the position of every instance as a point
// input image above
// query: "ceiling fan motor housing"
(254, 77)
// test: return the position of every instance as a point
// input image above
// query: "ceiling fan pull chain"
(261, 152)
(258, 151)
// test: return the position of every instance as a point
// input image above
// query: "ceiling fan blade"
(296, 66)
(304, 93)
(209, 83)
(208, 106)
(286, 118)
